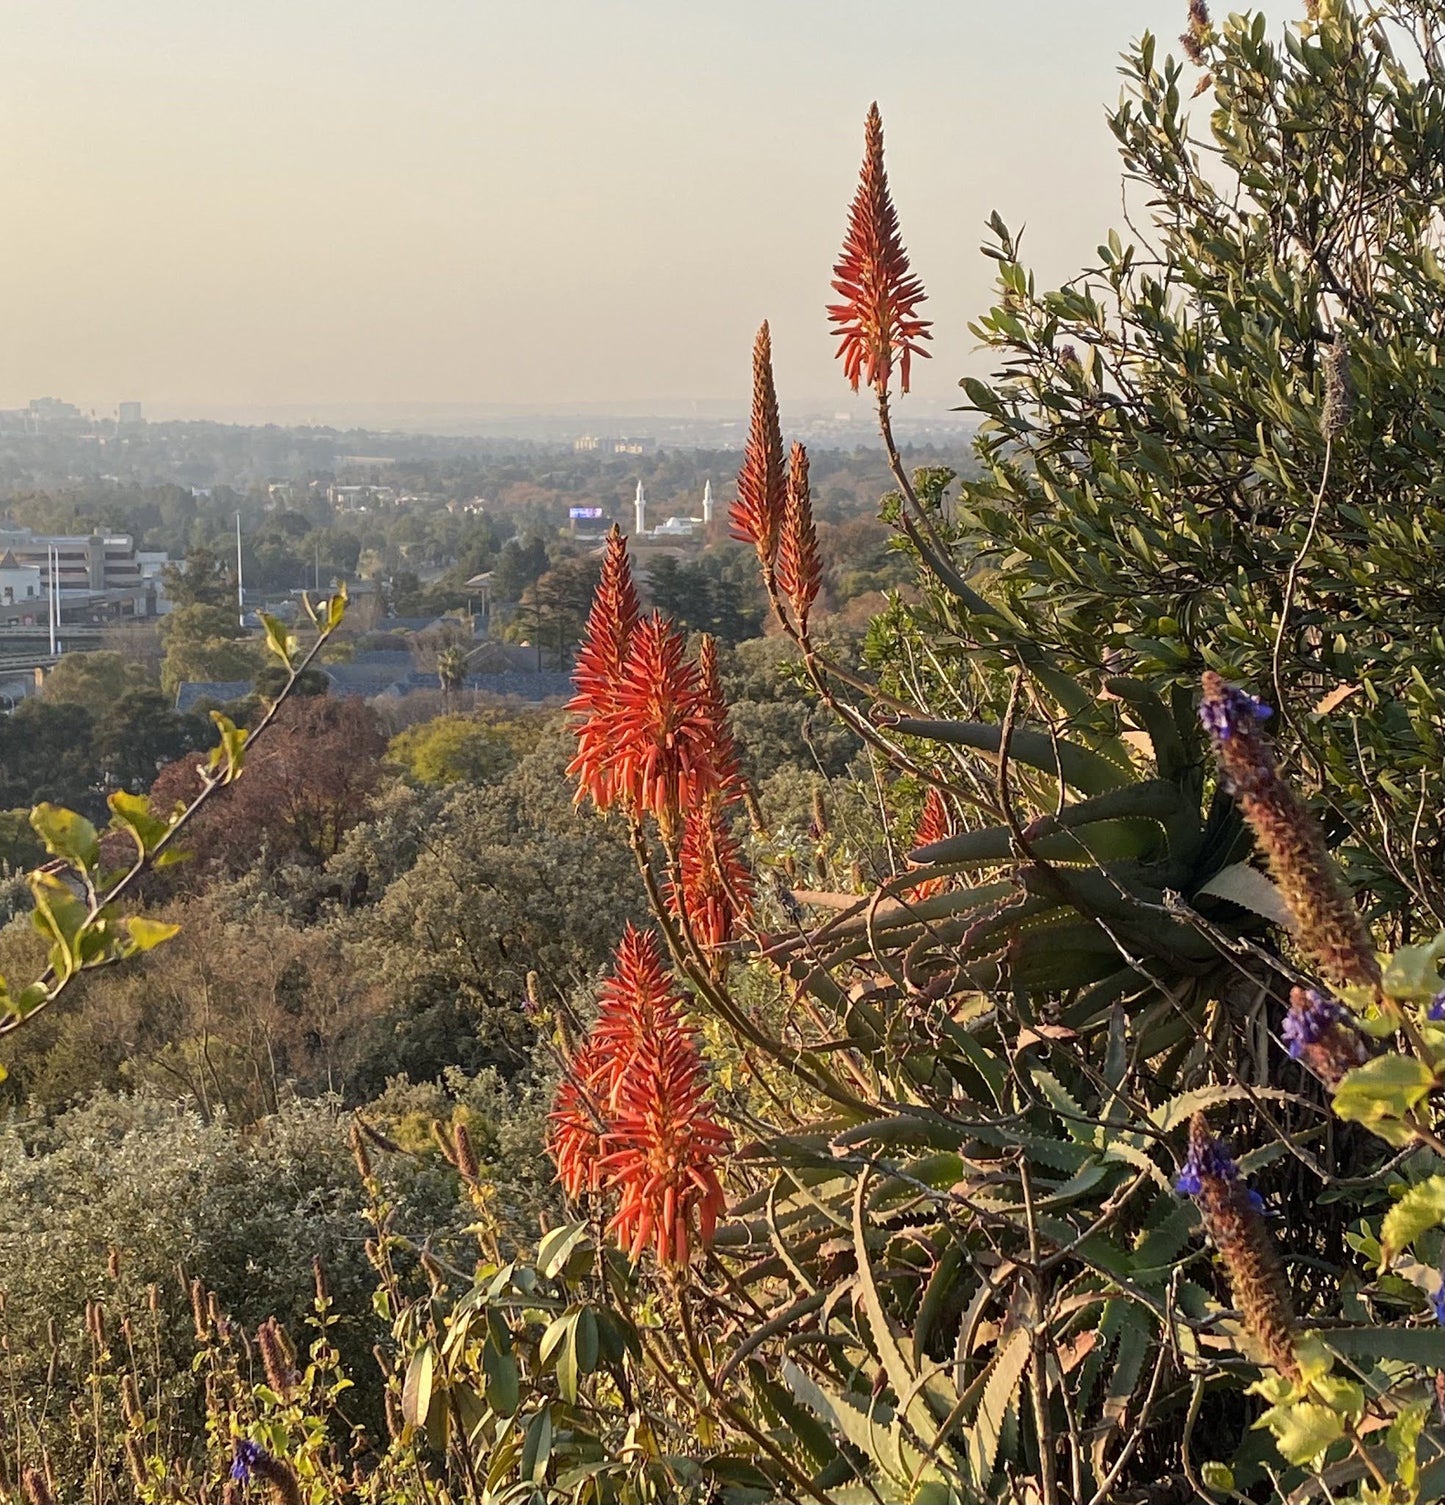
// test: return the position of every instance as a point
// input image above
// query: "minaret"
(640, 504)
(707, 503)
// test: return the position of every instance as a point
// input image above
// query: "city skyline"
(314, 207)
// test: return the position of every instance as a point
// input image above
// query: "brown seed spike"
(799, 567)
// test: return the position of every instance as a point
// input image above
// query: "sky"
(219, 209)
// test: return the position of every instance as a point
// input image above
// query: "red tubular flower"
(799, 568)
(658, 737)
(757, 514)
(633, 1115)
(714, 707)
(661, 1152)
(716, 892)
(934, 824)
(877, 320)
(575, 1124)
(600, 661)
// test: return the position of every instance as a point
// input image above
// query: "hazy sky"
(213, 205)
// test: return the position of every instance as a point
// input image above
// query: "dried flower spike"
(1328, 925)
(756, 515)
(877, 321)
(1233, 1217)
(1339, 394)
(1322, 1034)
(800, 570)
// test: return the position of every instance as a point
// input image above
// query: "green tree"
(205, 642)
(139, 733)
(202, 580)
(93, 680)
(460, 749)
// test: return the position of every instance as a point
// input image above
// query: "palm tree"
(451, 672)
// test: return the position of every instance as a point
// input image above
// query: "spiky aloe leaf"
(1079, 768)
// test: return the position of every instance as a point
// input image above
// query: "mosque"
(674, 529)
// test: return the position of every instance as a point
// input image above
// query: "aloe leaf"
(1004, 1382)
(1079, 767)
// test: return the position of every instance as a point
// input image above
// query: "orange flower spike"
(757, 514)
(877, 321)
(799, 568)
(716, 891)
(600, 660)
(661, 741)
(934, 824)
(726, 761)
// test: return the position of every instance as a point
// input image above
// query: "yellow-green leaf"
(416, 1389)
(1418, 1209)
(1303, 1430)
(66, 835)
(278, 640)
(147, 934)
(1386, 1088)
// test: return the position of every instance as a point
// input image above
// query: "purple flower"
(1438, 1300)
(1437, 1007)
(248, 1456)
(1208, 1160)
(1230, 712)
(1311, 1017)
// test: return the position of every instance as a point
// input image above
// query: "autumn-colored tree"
(305, 787)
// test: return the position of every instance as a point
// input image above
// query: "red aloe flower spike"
(575, 1125)
(757, 514)
(725, 759)
(600, 661)
(934, 824)
(799, 568)
(877, 320)
(660, 740)
(661, 1153)
(716, 888)
(637, 1001)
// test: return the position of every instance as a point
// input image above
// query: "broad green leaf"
(555, 1249)
(1217, 1476)
(132, 813)
(67, 835)
(278, 640)
(1386, 1088)
(146, 934)
(1303, 1429)
(336, 607)
(503, 1385)
(229, 754)
(416, 1390)
(1422, 1207)
(1412, 975)
(537, 1447)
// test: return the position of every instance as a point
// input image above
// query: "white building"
(19, 582)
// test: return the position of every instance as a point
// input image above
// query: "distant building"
(98, 576)
(49, 415)
(626, 446)
(19, 584)
(586, 444)
(129, 416)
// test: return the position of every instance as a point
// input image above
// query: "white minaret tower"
(707, 503)
(640, 505)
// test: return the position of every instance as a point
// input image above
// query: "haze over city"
(320, 210)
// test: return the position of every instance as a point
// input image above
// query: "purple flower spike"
(1232, 712)
(248, 1456)
(1208, 1161)
(1438, 1301)
(1437, 1007)
(1311, 1017)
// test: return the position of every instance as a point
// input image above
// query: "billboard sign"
(584, 512)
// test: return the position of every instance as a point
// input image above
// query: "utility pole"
(240, 584)
(52, 558)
